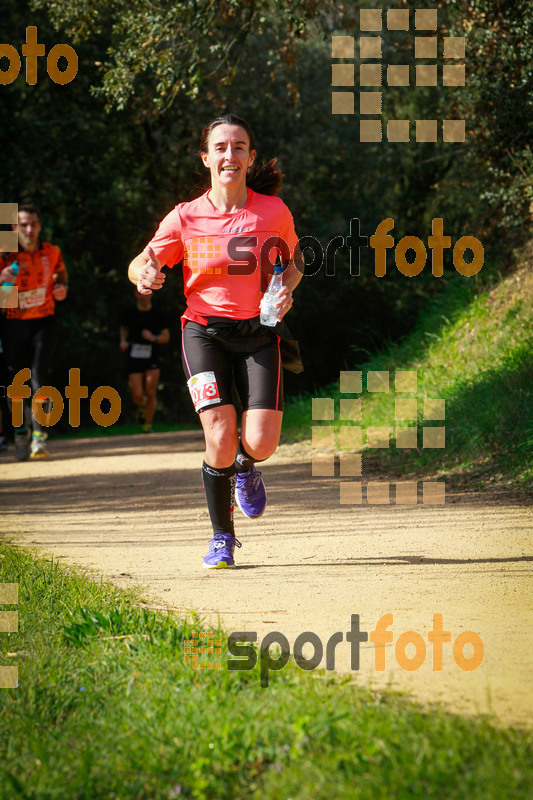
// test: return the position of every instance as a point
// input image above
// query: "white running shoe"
(38, 446)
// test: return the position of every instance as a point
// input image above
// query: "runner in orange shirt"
(28, 332)
(238, 219)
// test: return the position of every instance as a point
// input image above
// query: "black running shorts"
(141, 365)
(213, 363)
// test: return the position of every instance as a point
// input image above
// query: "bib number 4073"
(203, 389)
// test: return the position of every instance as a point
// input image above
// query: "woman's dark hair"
(267, 178)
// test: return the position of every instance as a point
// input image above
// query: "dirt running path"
(133, 509)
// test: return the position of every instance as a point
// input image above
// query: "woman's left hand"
(284, 302)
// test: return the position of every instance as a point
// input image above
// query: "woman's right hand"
(150, 276)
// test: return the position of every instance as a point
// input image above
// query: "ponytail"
(266, 179)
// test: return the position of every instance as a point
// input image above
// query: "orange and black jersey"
(35, 280)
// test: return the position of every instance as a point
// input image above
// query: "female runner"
(223, 342)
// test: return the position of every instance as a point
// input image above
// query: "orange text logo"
(31, 51)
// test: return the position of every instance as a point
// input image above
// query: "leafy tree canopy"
(160, 48)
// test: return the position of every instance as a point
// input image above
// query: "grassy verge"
(106, 707)
(474, 348)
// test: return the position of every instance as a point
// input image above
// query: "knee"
(260, 444)
(137, 397)
(223, 444)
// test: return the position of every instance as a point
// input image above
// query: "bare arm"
(60, 287)
(124, 344)
(294, 272)
(291, 278)
(164, 336)
(161, 338)
(61, 276)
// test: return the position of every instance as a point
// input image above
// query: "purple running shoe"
(220, 553)
(250, 493)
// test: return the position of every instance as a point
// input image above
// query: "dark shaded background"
(104, 169)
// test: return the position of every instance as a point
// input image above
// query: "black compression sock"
(243, 461)
(219, 486)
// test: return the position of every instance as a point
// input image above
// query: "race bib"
(141, 351)
(203, 390)
(32, 298)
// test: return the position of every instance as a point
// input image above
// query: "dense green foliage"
(107, 708)
(107, 155)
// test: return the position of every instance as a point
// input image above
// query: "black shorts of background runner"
(30, 343)
(251, 362)
(141, 365)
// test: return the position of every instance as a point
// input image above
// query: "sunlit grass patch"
(107, 707)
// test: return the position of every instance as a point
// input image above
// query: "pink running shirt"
(208, 241)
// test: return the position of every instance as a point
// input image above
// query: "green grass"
(106, 707)
(473, 347)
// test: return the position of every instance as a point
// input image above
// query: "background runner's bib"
(32, 298)
(141, 351)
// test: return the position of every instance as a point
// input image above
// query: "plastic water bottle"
(269, 313)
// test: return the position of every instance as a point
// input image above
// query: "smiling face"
(228, 156)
